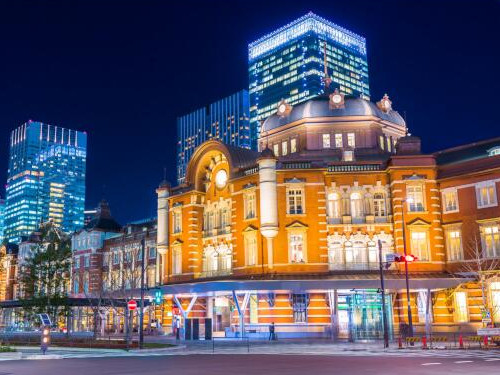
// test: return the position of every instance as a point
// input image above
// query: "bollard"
(460, 342)
(424, 342)
(485, 342)
(400, 343)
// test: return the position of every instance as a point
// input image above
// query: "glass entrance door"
(365, 315)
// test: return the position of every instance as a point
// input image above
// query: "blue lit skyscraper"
(2, 216)
(46, 179)
(289, 64)
(226, 120)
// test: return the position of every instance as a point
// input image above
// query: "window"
(373, 253)
(251, 248)
(116, 257)
(139, 254)
(77, 262)
(284, 148)
(224, 218)
(339, 143)
(420, 245)
(381, 142)
(486, 194)
(152, 253)
(276, 149)
(295, 201)
(495, 299)
(454, 243)
(177, 221)
(379, 205)
(348, 155)
(86, 279)
(450, 200)
(177, 259)
(351, 140)
(356, 205)
(389, 144)
(415, 197)
(299, 303)
(249, 205)
(296, 247)
(293, 145)
(490, 240)
(334, 205)
(461, 311)
(105, 259)
(494, 151)
(326, 140)
(87, 261)
(76, 284)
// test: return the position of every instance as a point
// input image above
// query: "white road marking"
(492, 359)
(463, 361)
(431, 363)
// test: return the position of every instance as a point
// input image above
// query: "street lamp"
(410, 320)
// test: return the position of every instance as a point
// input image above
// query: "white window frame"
(176, 259)
(293, 145)
(411, 202)
(176, 220)
(339, 141)
(450, 233)
(417, 251)
(491, 229)
(492, 199)
(284, 148)
(325, 140)
(276, 149)
(334, 206)
(298, 194)
(250, 205)
(461, 312)
(292, 236)
(251, 248)
(444, 193)
(351, 140)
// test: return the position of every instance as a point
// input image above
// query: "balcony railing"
(217, 231)
(217, 273)
(368, 219)
(351, 266)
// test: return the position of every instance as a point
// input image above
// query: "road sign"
(485, 316)
(390, 257)
(45, 319)
(132, 305)
(488, 331)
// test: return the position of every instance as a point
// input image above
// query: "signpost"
(132, 305)
(485, 316)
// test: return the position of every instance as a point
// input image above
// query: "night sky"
(124, 70)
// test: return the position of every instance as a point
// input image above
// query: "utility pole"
(382, 288)
(141, 311)
(410, 320)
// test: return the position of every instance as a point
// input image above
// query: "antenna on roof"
(406, 122)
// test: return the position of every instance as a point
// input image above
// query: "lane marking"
(431, 363)
(492, 359)
(463, 361)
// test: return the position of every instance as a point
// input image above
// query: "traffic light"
(45, 339)
(408, 258)
(158, 297)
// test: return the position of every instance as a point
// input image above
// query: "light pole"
(410, 320)
(141, 311)
(382, 287)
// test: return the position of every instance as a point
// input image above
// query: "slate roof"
(103, 220)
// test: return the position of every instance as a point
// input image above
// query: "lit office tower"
(226, 120)
(46, 179)
(289, 64)
(2, 216)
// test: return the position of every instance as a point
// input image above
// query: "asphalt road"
(251, 364)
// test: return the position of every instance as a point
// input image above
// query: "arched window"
(356, 205)
(372, 254)
(226, 257)
(210, 260)
(177, 260)
(334, 206)
(379, 205)
(335, 255)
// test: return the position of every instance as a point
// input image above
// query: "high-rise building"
(2, 216)
(226, 120)
(289, 64)
(46, 179)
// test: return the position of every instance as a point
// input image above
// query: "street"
(253, 364)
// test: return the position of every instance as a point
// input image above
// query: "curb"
(41, 356)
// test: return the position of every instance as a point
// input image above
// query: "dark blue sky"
(124, 70)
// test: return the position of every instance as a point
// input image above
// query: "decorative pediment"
(297, 225)
(177, 242)
(250, 228)
(295, 180)
(419, 222)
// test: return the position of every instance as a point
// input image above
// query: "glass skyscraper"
(226, 120)
(289, 64)
(46, 179)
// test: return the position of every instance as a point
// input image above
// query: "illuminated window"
(334, 205)
(176, 260)
(351, 140)
(490, 238)
(296, 244)
(295, 201)
(486, 194)
(284, 148)
(249, 205)
(356, 205)
(348, 155)
(454, 243)
(420, 245)
(276, 149)
(326, 140)
(379, 207)
(338, 141)
(415, 197)
(450, 200)
(176, 221)
(293, 145)
(251, 248)
(389, 144)
(494, 289)
(461, 311)
(381, 141)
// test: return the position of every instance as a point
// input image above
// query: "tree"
(44, 274)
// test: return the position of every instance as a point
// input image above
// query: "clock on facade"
(337, 99)
(221, 179)
(284, 108)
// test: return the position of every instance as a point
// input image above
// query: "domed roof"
(320, 107)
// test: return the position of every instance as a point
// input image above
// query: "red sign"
(132, 305)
